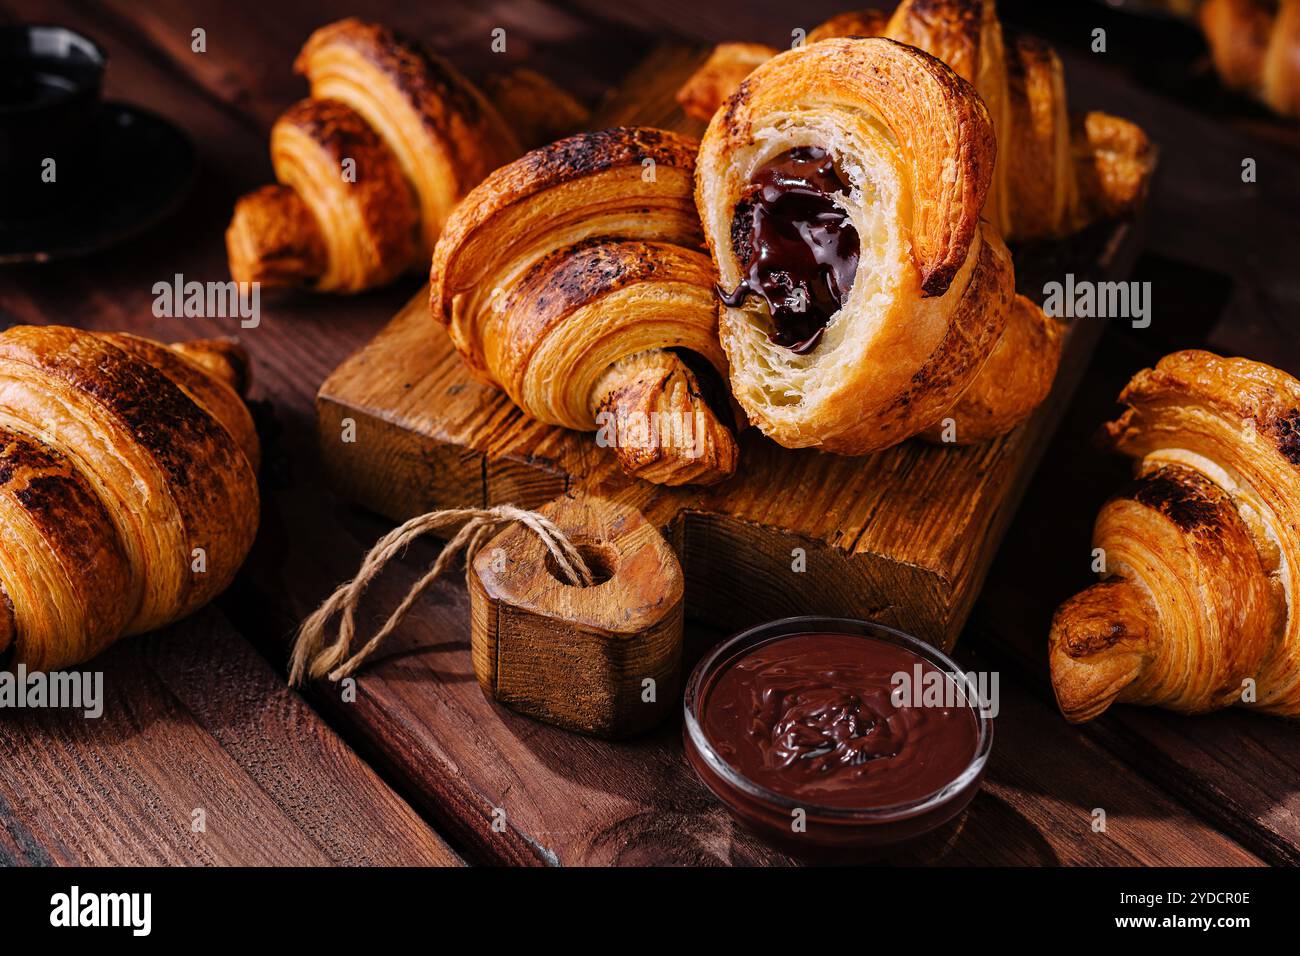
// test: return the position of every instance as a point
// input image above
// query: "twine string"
(314, 658)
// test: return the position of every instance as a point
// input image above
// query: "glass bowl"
(830, 833)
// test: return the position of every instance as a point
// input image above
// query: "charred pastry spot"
(334, 126)
(742, 231)
(1185, 498)
(588, 153)
(1286, 433)
(936, 281)
(1093, 642)
(733, 104)
(797, 248)
(579, 273)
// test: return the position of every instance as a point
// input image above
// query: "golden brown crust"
(444, 132)
(1100, 643)
(274, 239)
(571, 259)
(351, 181)
(537, 110)
(1013, 382)
(1206, 621)
(975, 326)
(205, 371)
(113, 472)
(1042, 191)
(663, 429)
(223, 359)
(556, 176)
(948, 29)
(1113, 162)
(61, 538)
(577, 277)
(1209, 534)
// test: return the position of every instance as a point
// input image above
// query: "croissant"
(1198, 607)
(574, 280)
(1054, 173)
(1255, 46)
(369, 167)
(868, 295)
(128, 489)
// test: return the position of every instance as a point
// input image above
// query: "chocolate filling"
(797, 247)
(815, 717)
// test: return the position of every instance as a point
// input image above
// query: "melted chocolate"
(811, 716)
(796, 245)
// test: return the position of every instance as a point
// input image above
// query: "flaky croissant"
(1199, 608)
(1255, 45)
(868, 294)
(128, 488)
(574, 280)
(1055, 173)
(369, 167)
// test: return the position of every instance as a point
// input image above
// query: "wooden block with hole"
(604, 659)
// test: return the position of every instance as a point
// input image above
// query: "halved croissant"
(569, 277)
(933, 287)
(1255, 45)
(371, 164)
(1054, 174)
(128, 489)
(1200, 606)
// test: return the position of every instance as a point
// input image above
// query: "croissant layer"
(444, 133)
(347, 176)
(1201, 549)
(127, 489)
(565, 263)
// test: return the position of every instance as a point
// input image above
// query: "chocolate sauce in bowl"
(811, 717)
(796, 245)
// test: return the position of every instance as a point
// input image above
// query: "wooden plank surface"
(201, 756)
(1176, 791)
(569, 799)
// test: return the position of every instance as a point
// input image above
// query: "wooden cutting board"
(904, 536)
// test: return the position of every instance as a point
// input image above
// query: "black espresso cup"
(50, 84)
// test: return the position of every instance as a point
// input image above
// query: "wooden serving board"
(904, 536)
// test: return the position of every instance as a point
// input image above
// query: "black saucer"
(146, 168)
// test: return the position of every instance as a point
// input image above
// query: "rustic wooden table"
(413, 771)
